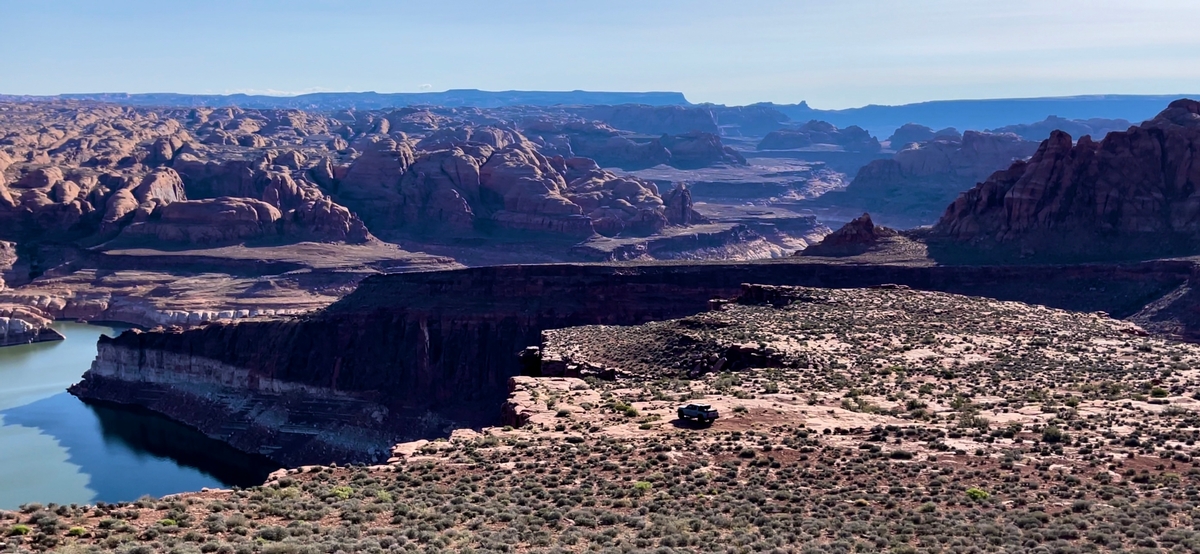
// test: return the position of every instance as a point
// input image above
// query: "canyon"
(416, 355)
(300, 276)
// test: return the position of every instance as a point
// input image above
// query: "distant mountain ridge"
(375, 100)
(985, 114)
(879, 120)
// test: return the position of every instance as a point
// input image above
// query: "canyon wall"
(413, 355)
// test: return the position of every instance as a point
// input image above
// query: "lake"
(56, 448)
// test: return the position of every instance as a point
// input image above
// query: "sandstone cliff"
(24, 325)
(914, 186)
(407, 355)
(1133, 194)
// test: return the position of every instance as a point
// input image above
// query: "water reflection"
(55, 448)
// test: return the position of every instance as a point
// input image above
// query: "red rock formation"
(1137, 191)
(915, 186)
(853, 238)
(698, 149)
(679, 207)
(163, 185)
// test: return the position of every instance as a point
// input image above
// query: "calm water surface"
(55, 448)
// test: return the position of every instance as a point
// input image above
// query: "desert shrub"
(976, 493)
(272, 533)
(19, 530)
(1053, 434)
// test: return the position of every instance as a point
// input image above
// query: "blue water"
(56, 448)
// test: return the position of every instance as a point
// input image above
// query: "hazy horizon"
(830, 54)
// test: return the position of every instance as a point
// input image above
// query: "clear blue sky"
(833, 53)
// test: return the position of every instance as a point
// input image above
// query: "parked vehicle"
(698, 412)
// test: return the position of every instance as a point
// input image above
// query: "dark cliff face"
(448, 341)
(1135, 193)
(442, 336)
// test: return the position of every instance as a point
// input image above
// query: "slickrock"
(163, 185)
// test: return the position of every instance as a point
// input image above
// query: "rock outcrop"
(162, 185)
(914, 186)
(25, 325)
(816, 133)
(954, 162)
(612, 148)
(1095, 128)
(698, 149)
(1136, 193)
(911, 133)
(473, 188)
(852, 238)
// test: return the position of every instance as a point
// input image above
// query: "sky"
(831, 53)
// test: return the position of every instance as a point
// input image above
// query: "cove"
(56, 448)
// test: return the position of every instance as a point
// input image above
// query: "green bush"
(19, 530)
(976, 493)
(77, 531)
(1053, 434)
